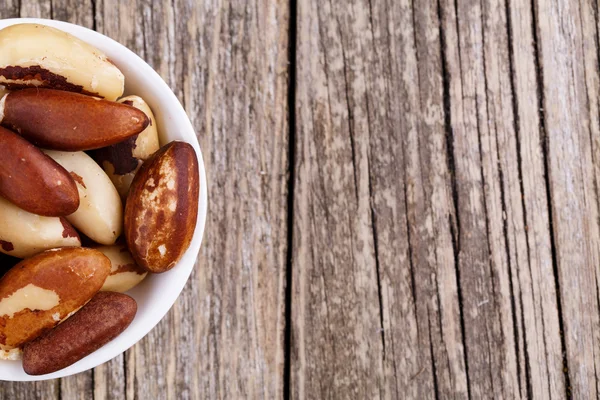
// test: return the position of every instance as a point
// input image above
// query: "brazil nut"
(162, 207)
(34, 55)
(97, 323)
(41, 291)
(66, 121)
(100, 212)
(23, 234)
(26, 172)
(121, 161)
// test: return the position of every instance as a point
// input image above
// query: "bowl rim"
(185, 265)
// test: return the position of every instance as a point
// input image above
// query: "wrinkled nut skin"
(67, 121)
(162, 207)
(33, 55)
(100, 212)
(121, 161)
(23, 234)
(32, 180)
(124, 273)
(57, 282)
(97, 323)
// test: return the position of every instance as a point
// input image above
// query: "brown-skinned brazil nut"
(162, 207)
(97, 323)
(39, 292)
(26, 173)
(66, 121)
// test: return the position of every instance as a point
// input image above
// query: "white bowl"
(157, 293)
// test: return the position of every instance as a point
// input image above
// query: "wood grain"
(449, 149)
(441, 161)
(573, 187)
(535, 292)
(337, 340)
(375, 301)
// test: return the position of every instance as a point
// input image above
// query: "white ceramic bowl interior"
(157, 293)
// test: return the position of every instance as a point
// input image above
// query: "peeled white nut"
(100, 212)
(124, 273)
(34, 55)
(23, 234)
(121, 161)
(3, 91)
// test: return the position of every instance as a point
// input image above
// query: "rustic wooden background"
(404, 199)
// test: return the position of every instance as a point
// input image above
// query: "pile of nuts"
(72, 152)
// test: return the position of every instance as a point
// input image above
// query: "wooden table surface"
(404, 199)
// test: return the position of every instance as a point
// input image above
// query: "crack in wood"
(349, 110)
(413, 287)
(432, 358)
(374, 223)
(454, 223)
(510, 274)
(125, 373)
(291, 99)
(501, 182)
(378, 274)
(93, 2)
(517, 131)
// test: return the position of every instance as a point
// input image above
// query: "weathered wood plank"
(237, 100)
(224, 337)
(481, 127)
(573, 188)
(535, 291)
(501, 225)
(373, 248)
(432, 210)
(337, 339)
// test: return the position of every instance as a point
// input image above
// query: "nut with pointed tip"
(162, 207)
(66, 121)
(26, 172)
(121, 161)
(34, 55)
(97, 323)
(23, 234)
